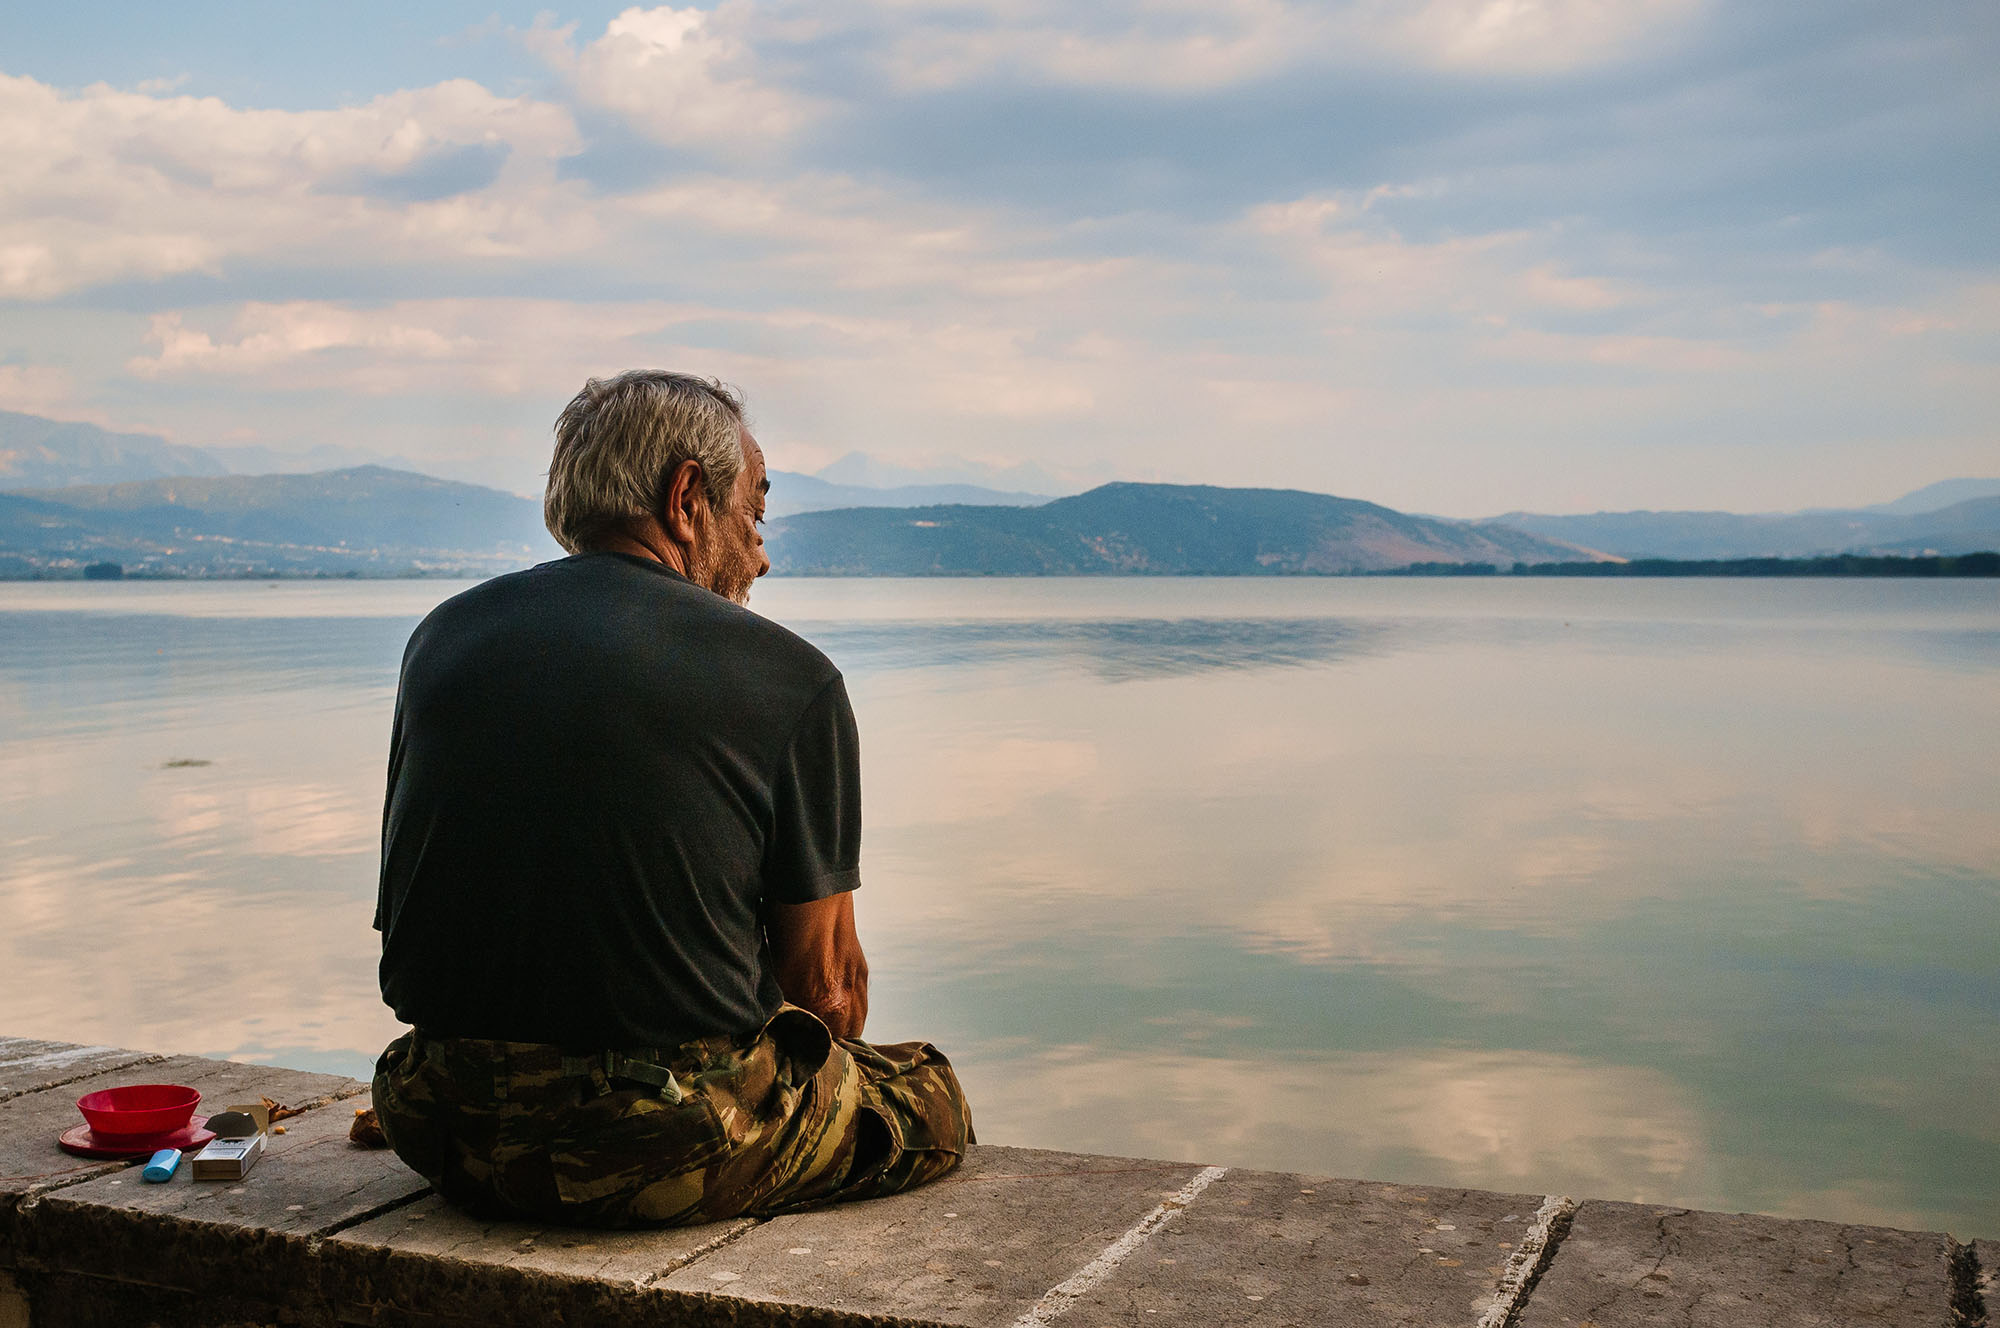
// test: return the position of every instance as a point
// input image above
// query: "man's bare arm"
(819, 960)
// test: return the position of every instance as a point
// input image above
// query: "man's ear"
(685, 511)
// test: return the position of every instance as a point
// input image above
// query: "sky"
(1455, 256)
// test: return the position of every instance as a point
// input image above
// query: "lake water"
(1676, 891)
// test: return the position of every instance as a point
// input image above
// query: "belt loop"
(604, 1066)
(593, 1067)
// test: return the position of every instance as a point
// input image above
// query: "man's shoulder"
(647, 604)
(773, 643)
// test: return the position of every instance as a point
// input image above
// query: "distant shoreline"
(1843, 564)
(1985, 564)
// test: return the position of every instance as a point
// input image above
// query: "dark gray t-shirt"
(598, 775)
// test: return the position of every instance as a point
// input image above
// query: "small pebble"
(951, 1214)
(800, 1249)
(1356, 1279)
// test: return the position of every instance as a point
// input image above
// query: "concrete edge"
(364, 1285)
(108, 1067)
(17, 1210)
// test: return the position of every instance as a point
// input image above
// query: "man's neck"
(645, 539)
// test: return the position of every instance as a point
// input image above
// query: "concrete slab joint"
(1525, 1265)
(1976, 1292)
(1062, 1297)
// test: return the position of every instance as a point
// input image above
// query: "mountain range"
(37, 453)
(792, 493)
(1965, 526)
(368, 520)
(73, 493)
(1936, 497)
(1143, 529)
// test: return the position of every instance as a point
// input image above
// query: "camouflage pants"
(787, 1118)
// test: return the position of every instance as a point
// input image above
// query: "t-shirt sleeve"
(815, 846)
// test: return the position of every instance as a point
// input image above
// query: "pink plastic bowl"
(139, 1109)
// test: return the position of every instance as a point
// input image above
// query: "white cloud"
(833, 233)
(273, 335)
(1159, 45)
(1197, 45)
(37, 389)
(884, 306)
(511, 346)
(1368, 270)
(105, 185)
(545, 348)
(1654, 354)
(686, 77)
(1525, 36)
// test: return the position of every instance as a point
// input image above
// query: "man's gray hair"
(620, 440)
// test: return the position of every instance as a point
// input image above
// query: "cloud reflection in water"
(1673, 891)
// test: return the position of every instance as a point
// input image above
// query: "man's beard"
(728, 572)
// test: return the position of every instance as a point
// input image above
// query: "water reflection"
(1679, 893)
(1115, 650)
(1510, 1120)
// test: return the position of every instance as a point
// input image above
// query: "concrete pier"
(322, 1233)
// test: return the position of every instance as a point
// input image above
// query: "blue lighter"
(162, 1165)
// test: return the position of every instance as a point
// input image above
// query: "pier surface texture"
(323, 1232)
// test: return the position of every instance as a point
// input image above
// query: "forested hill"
(1142, 529)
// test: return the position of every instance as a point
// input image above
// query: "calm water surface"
(1675, 891)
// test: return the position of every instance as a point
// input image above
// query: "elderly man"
(618, 860)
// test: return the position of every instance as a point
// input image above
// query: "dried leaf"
(367, 1130)
(279, 1110)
